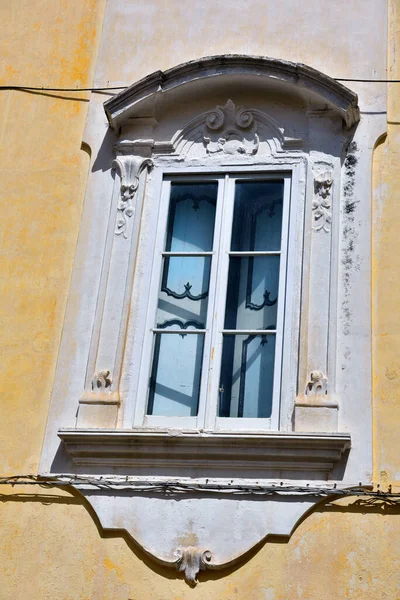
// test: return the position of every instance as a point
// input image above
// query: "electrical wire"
(180, 487)
(113, 88)
(49, 89)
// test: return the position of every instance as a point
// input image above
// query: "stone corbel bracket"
(129, 169)
(322, 204)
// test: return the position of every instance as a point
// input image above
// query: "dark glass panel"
(252, 296)
(257, 217)
(184, 288)
(176, 373)
(191, 217)
(247, 376)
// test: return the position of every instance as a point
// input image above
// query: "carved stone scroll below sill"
(129, 168)
(191, 560)
(322, 202)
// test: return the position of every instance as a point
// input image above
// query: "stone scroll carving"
(191, 560)
(317, 385)
(322, 202)
(101, 381)
(230, 129)
(129, 168)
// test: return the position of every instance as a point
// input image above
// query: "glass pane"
(257, 217)
(184, 289)
(247, 376)
(252, 297)
(191, 217)
(175, 378)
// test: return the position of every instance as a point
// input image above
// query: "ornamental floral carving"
(317, 385)
(230, 129)
(129, 168)
(191, 560)
(322, 202)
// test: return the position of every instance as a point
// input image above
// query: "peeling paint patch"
(350, 260)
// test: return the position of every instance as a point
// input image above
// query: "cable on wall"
(107, 89)
(178, 487)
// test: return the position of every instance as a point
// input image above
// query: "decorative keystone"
(230, 129)
(129, 168)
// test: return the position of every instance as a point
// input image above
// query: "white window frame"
(207, 418)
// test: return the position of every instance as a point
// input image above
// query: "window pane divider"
(187, 253)
(248, 331)
(180, 331)
(255, 253)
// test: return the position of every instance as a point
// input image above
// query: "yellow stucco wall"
(386, 275)
(54, 551)
(43, 174)
(51, 547)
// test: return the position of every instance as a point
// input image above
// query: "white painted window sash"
(141, 418)
(208, 401)
(242, 423)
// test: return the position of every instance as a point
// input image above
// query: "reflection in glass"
(247, 376)
(184, 288)
(182, 301)
(257, 217)
(252, 297)
(191, 217)
(176, 373)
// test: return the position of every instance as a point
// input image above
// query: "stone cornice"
(336, 95)
(228, 452)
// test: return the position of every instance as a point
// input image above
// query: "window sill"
(171, 452)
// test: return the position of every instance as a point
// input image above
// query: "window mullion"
(276, 396)
(208, 343)
(222, 261)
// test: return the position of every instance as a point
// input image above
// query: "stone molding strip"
(213, 451)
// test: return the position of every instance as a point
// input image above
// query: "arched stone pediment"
(269, 74)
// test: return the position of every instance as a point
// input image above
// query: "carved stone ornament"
(322, 202)
(230, 129)
(157, 521)
(317, 385)
(101, 381)
(191, 560)
(129, 168)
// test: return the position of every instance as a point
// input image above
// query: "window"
(208, 295)
(208, 338)
(217, 326)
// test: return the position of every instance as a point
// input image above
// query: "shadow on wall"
(362, 506)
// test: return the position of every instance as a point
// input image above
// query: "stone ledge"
(222, 451)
